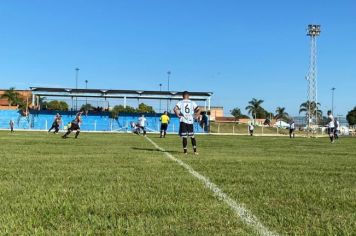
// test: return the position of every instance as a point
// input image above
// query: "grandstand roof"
(115, 93)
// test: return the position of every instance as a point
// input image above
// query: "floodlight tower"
(313, 32)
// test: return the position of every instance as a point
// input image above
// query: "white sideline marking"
(246, 216)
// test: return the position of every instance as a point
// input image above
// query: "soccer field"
(121, 184)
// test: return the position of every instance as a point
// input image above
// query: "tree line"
(256, 111)
(14, 98)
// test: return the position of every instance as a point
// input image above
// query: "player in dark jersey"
(74, 125)
(11, 124)
(187, 111)
(56, 123)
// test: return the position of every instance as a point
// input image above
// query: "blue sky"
(237, 49)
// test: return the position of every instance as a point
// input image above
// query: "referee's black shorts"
(164, 126)
(186, 130)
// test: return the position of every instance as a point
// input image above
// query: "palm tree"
(314, 108)
(281, 114)
(254, 107)
(12, 96)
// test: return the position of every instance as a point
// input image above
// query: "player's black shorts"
(331, 130)
(74, 126)
(164, 126)
(186, 130)
(291, 131)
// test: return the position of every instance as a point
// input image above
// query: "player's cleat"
(196, 153)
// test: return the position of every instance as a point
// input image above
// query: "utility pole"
(160, 100)
(168, 78)
(86, 87)
(332, 99)
(76, 87)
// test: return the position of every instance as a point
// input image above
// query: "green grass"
(241, 129)
(119, 184)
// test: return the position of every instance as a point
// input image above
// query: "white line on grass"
(246, 216)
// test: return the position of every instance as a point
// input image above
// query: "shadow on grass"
(152, 150)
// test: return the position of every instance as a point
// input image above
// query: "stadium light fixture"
(313, 30)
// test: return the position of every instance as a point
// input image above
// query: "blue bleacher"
(42, 120)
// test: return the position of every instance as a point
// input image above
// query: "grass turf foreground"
(120, 184)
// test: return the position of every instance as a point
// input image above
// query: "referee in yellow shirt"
(164, 124)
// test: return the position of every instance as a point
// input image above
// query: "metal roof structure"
(117, 94)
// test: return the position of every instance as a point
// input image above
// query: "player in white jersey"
(337, 129)
(291, 129)
(331, 126)
(250, 129)
(142, 121)
(187, 111)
